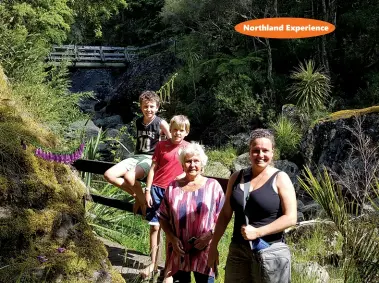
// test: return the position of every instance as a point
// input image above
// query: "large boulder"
(77, 127)
(217, 169)
(312, 270)
(147, 74)
(328, 143)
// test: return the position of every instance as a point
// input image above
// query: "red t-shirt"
(168, 166)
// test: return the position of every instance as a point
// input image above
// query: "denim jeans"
(185, 277)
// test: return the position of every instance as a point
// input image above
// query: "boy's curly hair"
(149, 95)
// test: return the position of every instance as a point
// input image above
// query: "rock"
(291, 169)
(217, 169)
(109, 122)
(87, 105)
(328, 143)
(64, 224)
(289, 110)
(112, 133)
(368, 208)
(300, 205)
(102, 277)
(241, 162)
(5, 213)
(311, 210)
(313, 271)
(240, 142)
(90, 129)
(300, 216)
(146, 74)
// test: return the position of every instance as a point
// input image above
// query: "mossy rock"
(344, 114)
(37, 196)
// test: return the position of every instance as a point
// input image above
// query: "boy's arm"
(149, 183)
(165, 128)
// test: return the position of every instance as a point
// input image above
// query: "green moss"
(344, 114)
(4, 185)
(38, 193)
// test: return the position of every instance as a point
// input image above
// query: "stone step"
(129, 263)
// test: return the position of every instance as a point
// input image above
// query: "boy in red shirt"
(165, 168)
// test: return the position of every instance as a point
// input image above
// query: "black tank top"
(262, 207)
(147, 135)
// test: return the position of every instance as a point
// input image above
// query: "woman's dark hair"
(262, 133)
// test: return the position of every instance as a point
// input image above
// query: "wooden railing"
(99, 56)
(93, 56)
(99, 167)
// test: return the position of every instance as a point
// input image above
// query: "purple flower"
(38, 152)
(61, 250)
(67, 158)
(43, 154)
(42, 258)
(61, 157)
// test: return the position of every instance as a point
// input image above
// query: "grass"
(315, 245)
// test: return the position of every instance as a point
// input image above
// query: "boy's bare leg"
(126, 180)
(131, 179)
(154, 248)
(115, 176)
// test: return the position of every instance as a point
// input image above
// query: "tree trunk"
(324, 53)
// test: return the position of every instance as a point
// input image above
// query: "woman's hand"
(249, 232)
(213, 257)
(177, 246)
(203, 241)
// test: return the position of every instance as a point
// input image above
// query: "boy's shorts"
(142, 160)
(157, 194)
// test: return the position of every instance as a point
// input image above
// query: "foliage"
(40, 198)
(320, 243)
(360, 236)
(90, 16)
(22, 54)
(138, 24)
(312, 87)
(165, 91)
(234, 95)
(117, 225)
(90, 153)
(49, 19)
(287, 137)
(225, 155)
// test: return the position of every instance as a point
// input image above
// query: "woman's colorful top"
(191, 214)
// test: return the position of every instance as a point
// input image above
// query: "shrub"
(287, 136)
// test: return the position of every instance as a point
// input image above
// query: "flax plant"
(90, 152)
(360, 234)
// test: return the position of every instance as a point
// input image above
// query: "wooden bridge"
(93, 56)
(98, 56)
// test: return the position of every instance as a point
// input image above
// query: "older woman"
(187, 215)
(263, 200)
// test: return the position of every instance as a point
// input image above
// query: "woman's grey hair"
(192, 149)
(262, 133)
